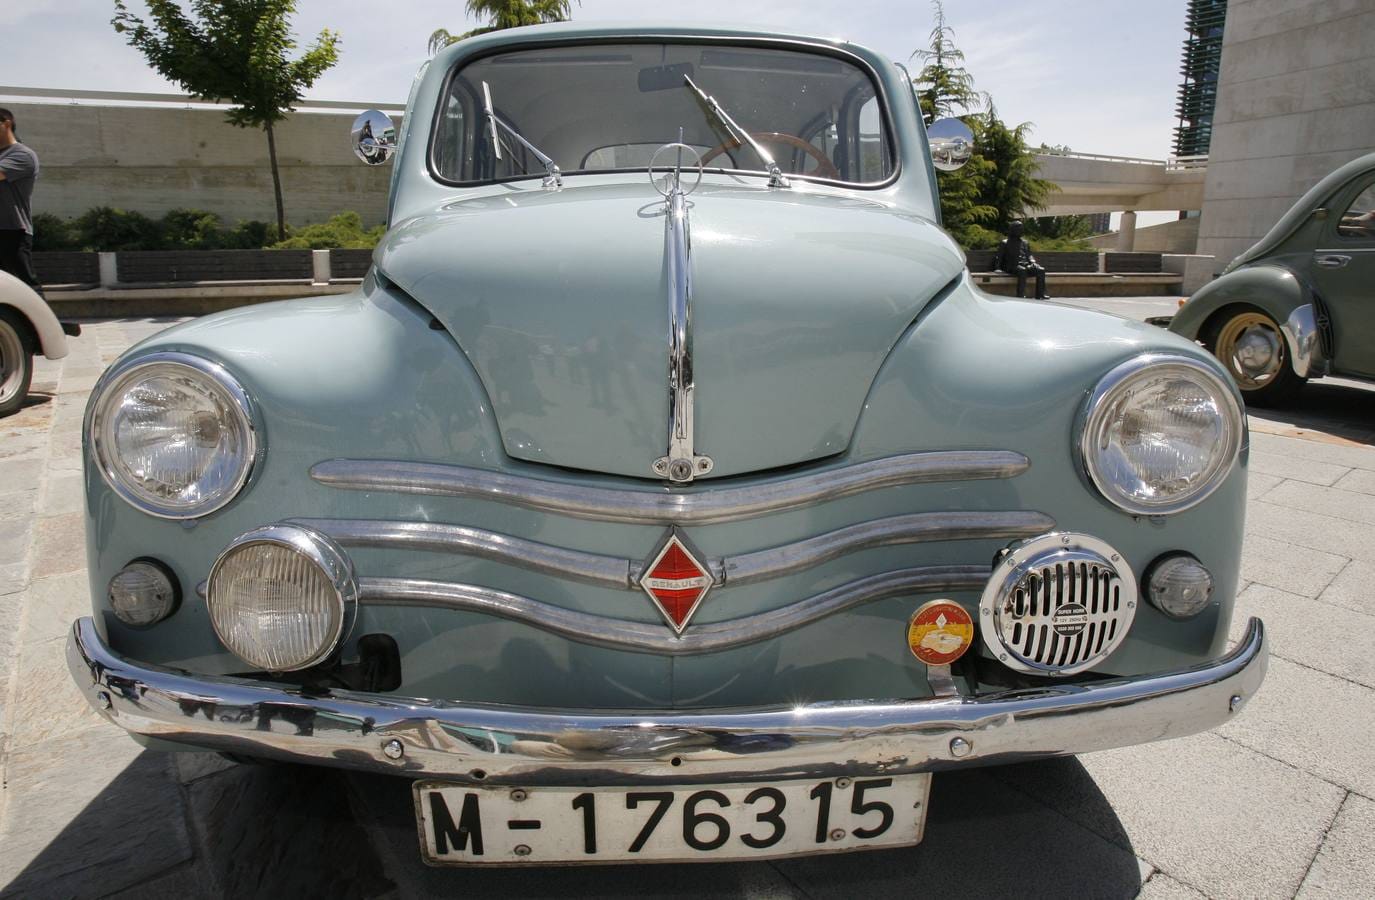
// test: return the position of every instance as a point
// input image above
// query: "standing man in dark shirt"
(1014, 258)
(18, 172)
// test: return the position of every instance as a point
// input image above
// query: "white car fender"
(21, 297)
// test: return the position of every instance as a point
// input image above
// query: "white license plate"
(466, 825)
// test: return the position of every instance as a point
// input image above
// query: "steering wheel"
(824, 167)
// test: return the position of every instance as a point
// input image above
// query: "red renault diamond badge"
(675, 580)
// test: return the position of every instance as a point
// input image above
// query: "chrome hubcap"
(1252, 349)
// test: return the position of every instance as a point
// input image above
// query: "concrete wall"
(152, 159)
(1296, 99)
(1179, 236)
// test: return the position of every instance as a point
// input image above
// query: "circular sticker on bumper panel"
(940, 632)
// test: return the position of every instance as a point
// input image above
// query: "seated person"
(1014, 258)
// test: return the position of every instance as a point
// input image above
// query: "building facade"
(1200, 66)
(1295, 100)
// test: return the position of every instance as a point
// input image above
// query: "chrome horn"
(952, 144)
(374, 137)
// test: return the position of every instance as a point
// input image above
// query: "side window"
(873, 156)
(449, 150)
(1359, 219)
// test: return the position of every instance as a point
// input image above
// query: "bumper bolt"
(959, 747)
(837, 834)
(522, 849)
(393, 749)
(518, 795)
(842, 783)
(104, 699)
(1235, 703)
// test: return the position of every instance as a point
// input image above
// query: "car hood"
(560, 301)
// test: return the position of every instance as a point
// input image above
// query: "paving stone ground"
(1280, 802)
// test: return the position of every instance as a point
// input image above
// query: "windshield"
(606, 107)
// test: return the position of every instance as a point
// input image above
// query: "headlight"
(281, 597)
(173, 434)
(1160, 434)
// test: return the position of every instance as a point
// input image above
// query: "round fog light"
(281, 597)
(142, 593)
(1179, 585)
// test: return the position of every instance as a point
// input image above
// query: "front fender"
(20, 297)
(1275, 290)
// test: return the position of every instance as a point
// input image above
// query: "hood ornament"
(681, 464)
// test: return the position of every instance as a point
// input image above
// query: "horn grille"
(1058, 604)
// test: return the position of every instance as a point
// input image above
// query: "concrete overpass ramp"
(1089, 183)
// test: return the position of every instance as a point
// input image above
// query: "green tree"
(504, 14)
(233, 51)
(1009, 183)
(943, 86)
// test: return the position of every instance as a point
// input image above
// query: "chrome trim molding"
(527, 746)
(746, 568)
(916, 528)
(239, 401)
(1302, 335)
(321, 552)
(1107, 389)
(724, 504)
(682, 463)
(650, 637)
(590, 568)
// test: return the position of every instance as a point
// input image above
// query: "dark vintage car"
(1300, 304)
(667, 490)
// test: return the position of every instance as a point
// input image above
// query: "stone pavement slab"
(1170, 804)
(1345, 867)
(1318, 635)
(1315, 722)
(1279, 564)
(1353, 588)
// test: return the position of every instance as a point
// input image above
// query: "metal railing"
(1172, 164)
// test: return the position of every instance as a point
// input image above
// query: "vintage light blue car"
(666, 491)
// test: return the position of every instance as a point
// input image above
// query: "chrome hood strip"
(652, 637)
(610, 571)
(660, 507)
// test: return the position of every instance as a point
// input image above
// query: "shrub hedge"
(105, 228)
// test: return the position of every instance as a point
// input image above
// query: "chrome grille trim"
(910, 529)
(1058, 605)
(438, 537)
(652, 637)
(731, 570)
(726, 504)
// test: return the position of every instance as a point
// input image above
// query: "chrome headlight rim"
(318, 549)
(124, 373)
(1141, 366)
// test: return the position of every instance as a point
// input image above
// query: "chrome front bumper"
(535, 746)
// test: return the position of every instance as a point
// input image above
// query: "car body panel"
(574, 362)
(418, 399)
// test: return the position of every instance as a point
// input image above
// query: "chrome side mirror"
(374, 137)
(952, 144)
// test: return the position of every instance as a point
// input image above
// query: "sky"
(1098, 76)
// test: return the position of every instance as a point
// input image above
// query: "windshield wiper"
(553, 178)
(737, 134)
